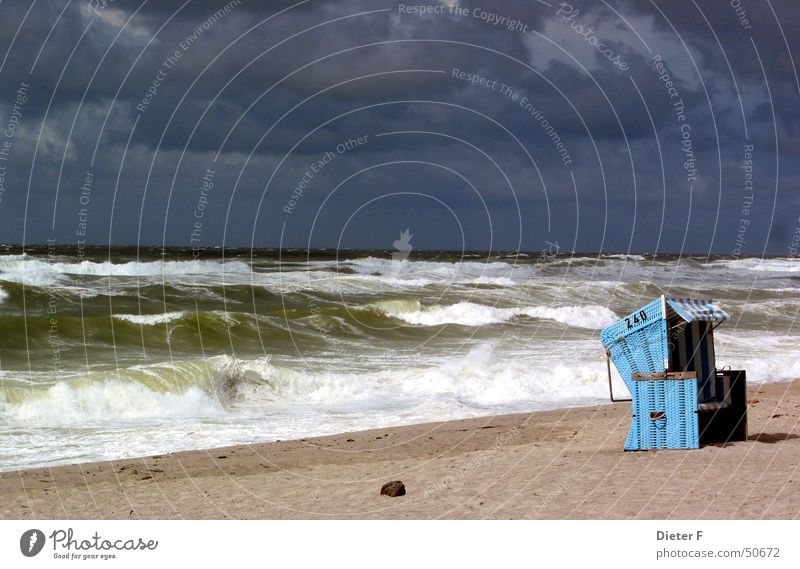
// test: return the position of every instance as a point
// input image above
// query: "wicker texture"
(638, 344)
(664, 415)
(664, 411)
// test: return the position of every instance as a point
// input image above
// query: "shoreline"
(558, 464)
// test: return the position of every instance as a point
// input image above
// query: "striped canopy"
(697, 310)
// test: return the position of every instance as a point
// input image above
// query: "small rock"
(393, 489)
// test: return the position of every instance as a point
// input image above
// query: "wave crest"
(471, 314)
(33, 272)
(151, 319)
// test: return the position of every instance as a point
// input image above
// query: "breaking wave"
(151, 319)
(471, 314)
(34, 272)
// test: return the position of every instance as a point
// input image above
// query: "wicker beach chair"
(665, 354)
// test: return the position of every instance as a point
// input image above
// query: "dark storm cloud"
(589, 151)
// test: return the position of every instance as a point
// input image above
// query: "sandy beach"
(562, 464)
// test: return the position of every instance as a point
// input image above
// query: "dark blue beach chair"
(665, 354)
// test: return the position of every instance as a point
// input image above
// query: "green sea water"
(129, 351)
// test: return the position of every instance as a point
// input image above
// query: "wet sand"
(564, 464)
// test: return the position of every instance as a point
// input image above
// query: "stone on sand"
(393, 489)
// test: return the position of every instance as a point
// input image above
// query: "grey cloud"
(229, 86)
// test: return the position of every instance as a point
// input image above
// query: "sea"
(110, 353)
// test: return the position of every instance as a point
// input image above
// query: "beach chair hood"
(697, 310)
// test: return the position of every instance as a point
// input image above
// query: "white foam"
(762, 265)
(3, 294)
(586, 316)
(455, 386)
(236, 400)
(493, 281)
(35, 272)
(212, 386)
(191, 388)
(120, 417)
(439, 270)
(108, 402)
(626, 257)
(374, 276)
(484, 377)
(471, 314)
(150, 319)
(28, 272)
(361, 283)
(765, 357)
(463, 313)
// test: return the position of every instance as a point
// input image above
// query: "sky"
(605, 126)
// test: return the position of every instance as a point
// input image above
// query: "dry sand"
(552, 465)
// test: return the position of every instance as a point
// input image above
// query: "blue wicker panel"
(664, 415)
(638, 342)
(681, 404)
